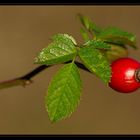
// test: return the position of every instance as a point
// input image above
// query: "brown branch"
(27, 78)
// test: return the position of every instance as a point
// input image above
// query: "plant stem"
(27, 78)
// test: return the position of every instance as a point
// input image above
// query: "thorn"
(26, 82)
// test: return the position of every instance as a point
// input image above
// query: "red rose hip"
(125, 75)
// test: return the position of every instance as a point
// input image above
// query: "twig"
(27, 78)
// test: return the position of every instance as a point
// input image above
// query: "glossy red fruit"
(125, 75)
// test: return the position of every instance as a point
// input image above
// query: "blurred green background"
(24, 31)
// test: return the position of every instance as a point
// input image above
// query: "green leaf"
(94, 60)
(118, 36)
(89, 25)
(62, 49)
(97, 44)
(84, 34)
(116, 52)
(63, 93)
(65, 38)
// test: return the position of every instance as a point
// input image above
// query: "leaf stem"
(27, 78)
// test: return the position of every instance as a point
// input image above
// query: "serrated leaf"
(65, 38)
(94, 60)
(84, 34)
(89, 25)
(118, 36)
(62, 49)
(63, 93)
(97, 44)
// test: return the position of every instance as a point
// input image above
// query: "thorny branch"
(27, 78)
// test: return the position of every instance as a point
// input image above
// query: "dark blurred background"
(24, 31)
